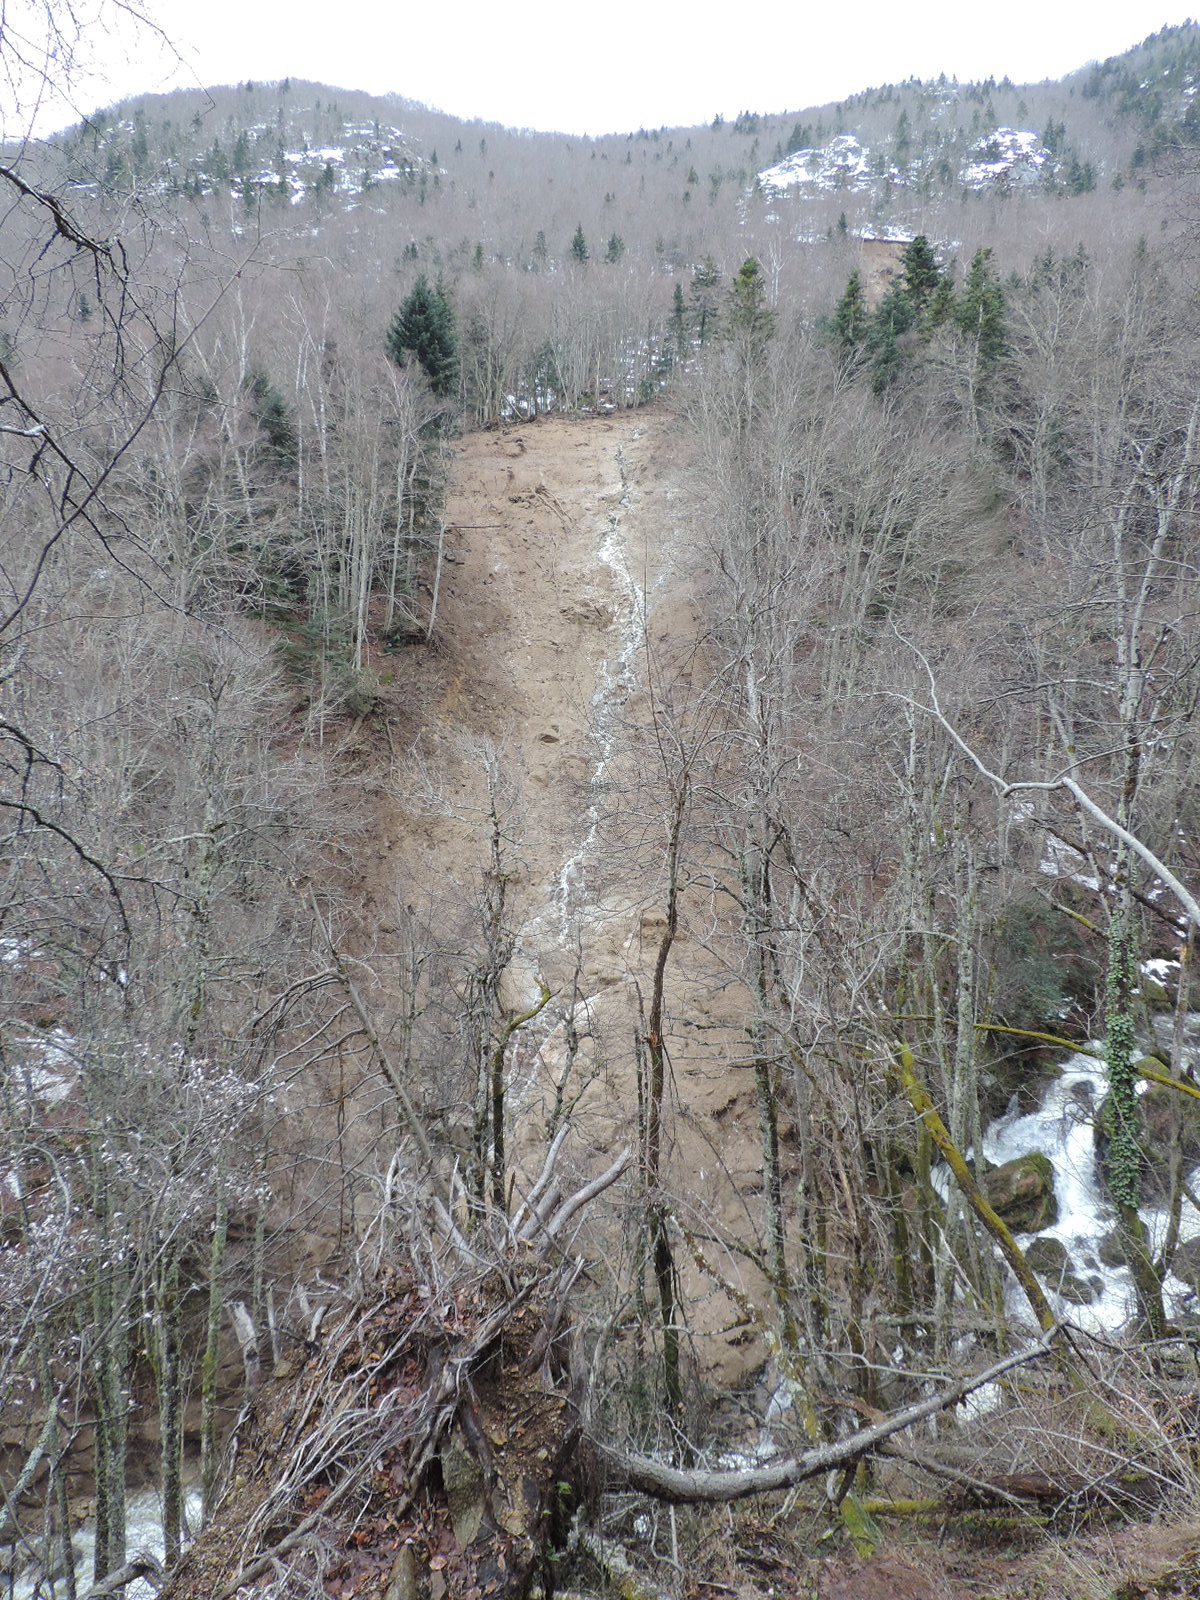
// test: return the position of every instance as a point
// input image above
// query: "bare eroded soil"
(565, 549)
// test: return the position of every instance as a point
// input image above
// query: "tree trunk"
(1123, 1161)
(210, 1461)
(170, 1407)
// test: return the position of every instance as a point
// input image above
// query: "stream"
(1093, 1293)
(143, 1531)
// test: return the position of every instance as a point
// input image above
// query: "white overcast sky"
(611, 66)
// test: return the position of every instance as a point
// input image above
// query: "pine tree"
(850, 319)
(616, 249)
(981, 312)
(895, 317)
(424, 326)
(679, 321)
(748, 310)
(921, 272)
(579, 249)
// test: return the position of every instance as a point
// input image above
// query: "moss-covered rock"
(1022, 1192)
(1049, 1257)
(1154, 994)
(1078, 1290)
(1158, 1105)
(1109, 1250)
(1052, 1262)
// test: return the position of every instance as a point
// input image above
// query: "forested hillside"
(600, 777)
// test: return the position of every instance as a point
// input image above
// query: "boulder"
(1186, 1265)
(1109, 1250)
(1079, 1291)
(1154, 993)
(1022, 1193)
(1049, 1257)
(1157, 1106)
(1051, 1261)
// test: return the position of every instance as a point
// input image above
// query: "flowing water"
(143, 1531)
(1062, 1129)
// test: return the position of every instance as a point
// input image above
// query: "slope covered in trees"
(568, 744)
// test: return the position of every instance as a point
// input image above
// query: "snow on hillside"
(1005, 158)
(842, 164)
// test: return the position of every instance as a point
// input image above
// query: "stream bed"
(1093, 1290)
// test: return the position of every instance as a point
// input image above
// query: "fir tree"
(579, 249)
(679, 321)
(850, 319)
(424, 326)
(942, 307)
(921, 272)
(981, 311)
(895, 317)
(748, 309)
(615, 250)
(270, 412)
(706, 279)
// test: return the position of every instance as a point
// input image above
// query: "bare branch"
(1004, 788)
(692, 1486)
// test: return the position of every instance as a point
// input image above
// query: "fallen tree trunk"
(697, 1485)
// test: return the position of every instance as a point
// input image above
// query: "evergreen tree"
(942, 306)
(424, 326)
(748, 310)
(903, 140)
(616, 249)
(921, 272)
(579, 249)
(271, 414)
(679, 331)
(895, 317)
(981, 311)
(706, 279)
(850, 319)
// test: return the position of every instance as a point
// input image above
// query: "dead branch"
(530, 1202)
(415, 1125)
(143, 1567)
(574, 1203)
(695, 1485)
(1064, 781)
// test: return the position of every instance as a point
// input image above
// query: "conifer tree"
(921, 272)
(706, 280)
(850, 318)
(679, 321)
(579, 249)
(981, 312)
(424, 326)
(748, 309)
(895, 317)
